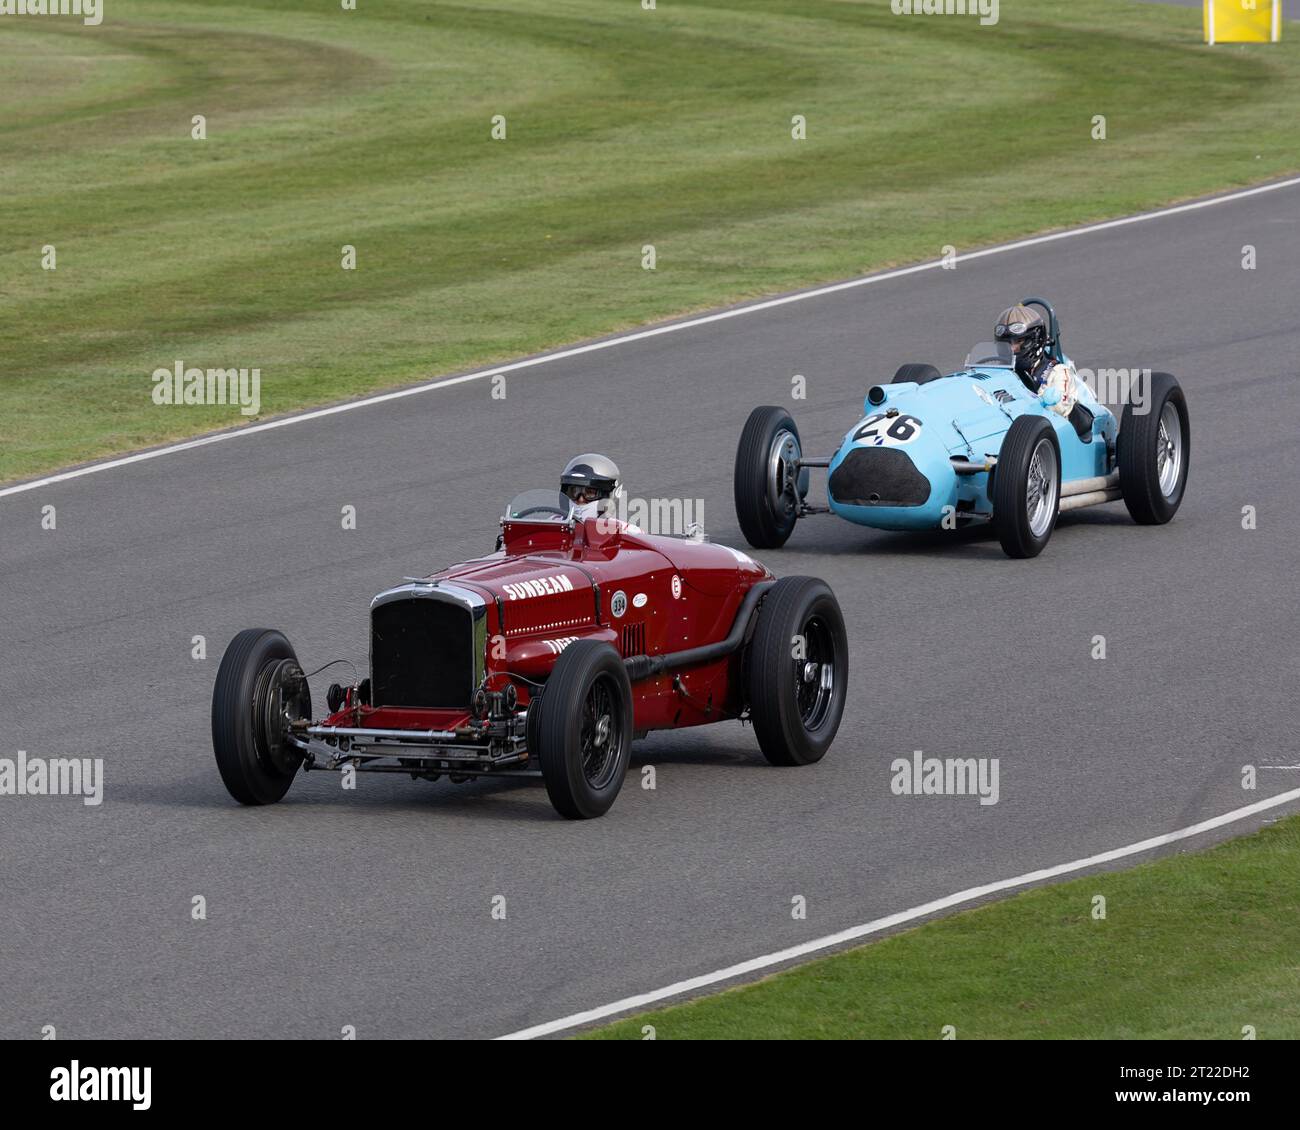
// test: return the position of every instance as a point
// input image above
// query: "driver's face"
(583, 494)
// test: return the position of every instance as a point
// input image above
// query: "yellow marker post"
(1242, 21)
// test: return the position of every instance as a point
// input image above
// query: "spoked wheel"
(600, 743)
(584, 729)
(1169, 451)
(796, 671)
(260, 690)
(1041, 498)
(1027, 487)
(816, 674)
(769, 484)
(1154, 451)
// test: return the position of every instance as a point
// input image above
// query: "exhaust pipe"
(646, 666)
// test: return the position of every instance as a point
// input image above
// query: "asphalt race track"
(372, 908)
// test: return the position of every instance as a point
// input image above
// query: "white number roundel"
(879, 430)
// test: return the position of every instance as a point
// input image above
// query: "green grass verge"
(625, 127)
(1193, 946)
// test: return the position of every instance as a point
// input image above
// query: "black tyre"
(1026, 489)
(921, 374)
(260, 687)
(797, 671)
(584, 729)
(769, 485)
(1154, 451)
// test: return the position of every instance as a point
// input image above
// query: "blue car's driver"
(1057, 385)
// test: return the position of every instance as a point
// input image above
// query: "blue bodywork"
(894, 470)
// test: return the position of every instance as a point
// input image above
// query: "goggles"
(1010, 329)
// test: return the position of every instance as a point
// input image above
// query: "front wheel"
(260, 689)
(920, 374)
(797, 670)
(1154, 450)
(1027, 487)
(532, 723)
(769, 484)
(584, 729)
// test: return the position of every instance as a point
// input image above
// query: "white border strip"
(754, 965)
(637, 335)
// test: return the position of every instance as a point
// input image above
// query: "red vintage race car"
(547, 658)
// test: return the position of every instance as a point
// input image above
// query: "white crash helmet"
(594, 484)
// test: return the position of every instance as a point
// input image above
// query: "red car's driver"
(593, 483)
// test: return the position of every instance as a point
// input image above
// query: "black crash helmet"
(1025, 330)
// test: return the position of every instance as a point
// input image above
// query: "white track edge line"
(753, 965)
(637, 335)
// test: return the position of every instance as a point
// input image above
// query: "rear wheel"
(769, 484)
(1154, 450)
(796, 671)
(584, 729)
(1027, 487)
(260, 689)
(921, 374)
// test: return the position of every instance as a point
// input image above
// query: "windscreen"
(543, 505)
(990, 355)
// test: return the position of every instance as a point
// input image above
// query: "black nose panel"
(878, 476)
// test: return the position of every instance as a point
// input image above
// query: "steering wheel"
(541, 510)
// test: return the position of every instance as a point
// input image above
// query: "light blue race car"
(939, 452)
